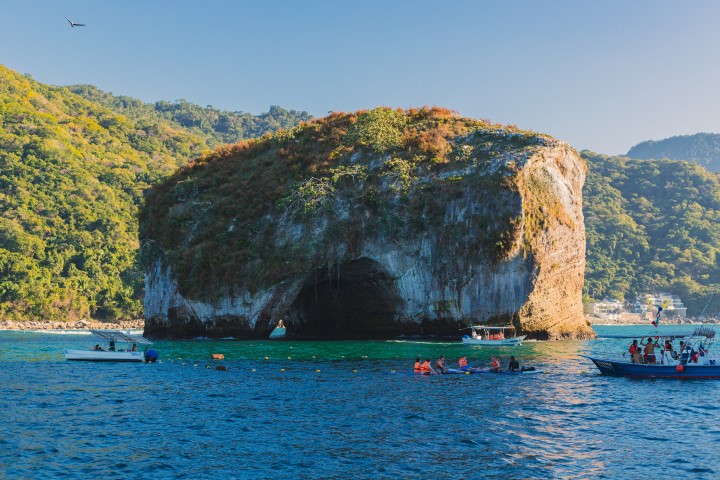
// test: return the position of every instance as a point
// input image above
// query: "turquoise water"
(289, 409)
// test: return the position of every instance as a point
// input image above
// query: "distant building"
(672, 304)
(637, 306)
(608, 309)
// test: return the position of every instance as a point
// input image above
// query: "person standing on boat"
(649, 350)
(440, 365)
(514, 365)
(633, 347)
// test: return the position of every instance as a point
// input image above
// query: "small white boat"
(492, 336)
(122, 347)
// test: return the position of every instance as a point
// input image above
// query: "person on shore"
(425, 368)
(495, 364)
(462, 364)
(637, 356)
(514, 365)
(440, 365)
(649, 350)
(417, 368)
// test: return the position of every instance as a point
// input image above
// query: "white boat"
(492, 336)
(121, 347)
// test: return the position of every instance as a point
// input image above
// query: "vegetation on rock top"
(239, 217)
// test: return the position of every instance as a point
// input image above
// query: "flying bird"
(73, 24)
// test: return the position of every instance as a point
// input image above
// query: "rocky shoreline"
(30, 325)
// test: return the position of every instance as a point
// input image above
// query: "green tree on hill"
(651, 225)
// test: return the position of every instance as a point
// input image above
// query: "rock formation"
(378, 224)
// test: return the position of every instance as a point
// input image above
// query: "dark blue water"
(336, 411)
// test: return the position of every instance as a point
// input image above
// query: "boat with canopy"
(121, 347)
(693, 359)
(495, 336)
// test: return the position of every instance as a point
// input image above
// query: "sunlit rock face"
(378, 224)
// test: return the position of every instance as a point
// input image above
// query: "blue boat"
(693, 360)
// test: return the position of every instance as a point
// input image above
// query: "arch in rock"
(354, 299)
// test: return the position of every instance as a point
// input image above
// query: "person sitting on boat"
(98, 348)
(501, 335)
(514, 365)
(462, 364)
(649, 350)
(637, 356)
(684, 352)
(134, 348)
(417, 368)
(440, 365)
(633, 347)
(669, 352)
(425, 368)
(495, 364)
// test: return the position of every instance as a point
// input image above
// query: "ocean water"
(306, 410)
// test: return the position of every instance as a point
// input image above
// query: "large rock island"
(376, 224)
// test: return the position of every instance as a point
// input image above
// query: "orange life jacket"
(417, 367)
(425, 367)
(495, 363)
(462, 363)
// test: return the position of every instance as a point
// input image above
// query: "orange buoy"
(680, 368)
(218, 356)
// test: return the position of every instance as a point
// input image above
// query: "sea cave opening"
(350, 300)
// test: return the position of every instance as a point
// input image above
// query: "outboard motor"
(151, 356)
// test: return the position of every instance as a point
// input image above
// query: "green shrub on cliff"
(386, 171)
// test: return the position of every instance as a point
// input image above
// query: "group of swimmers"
(425, 368)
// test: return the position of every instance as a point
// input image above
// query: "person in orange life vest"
(633, 347)
(417, 368)
(495, 364)
(462, 364)
(425, 368)
(440, 364)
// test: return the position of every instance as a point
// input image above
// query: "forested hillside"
(701, 148)
(651, 225)
(72, 176)
(216, 126)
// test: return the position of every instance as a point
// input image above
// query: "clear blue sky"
(602, 75)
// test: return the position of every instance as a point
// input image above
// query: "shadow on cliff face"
(352, 300)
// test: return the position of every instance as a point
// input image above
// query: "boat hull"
(507, 342)
(455, 371)
(100, 356)
(623, 369)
